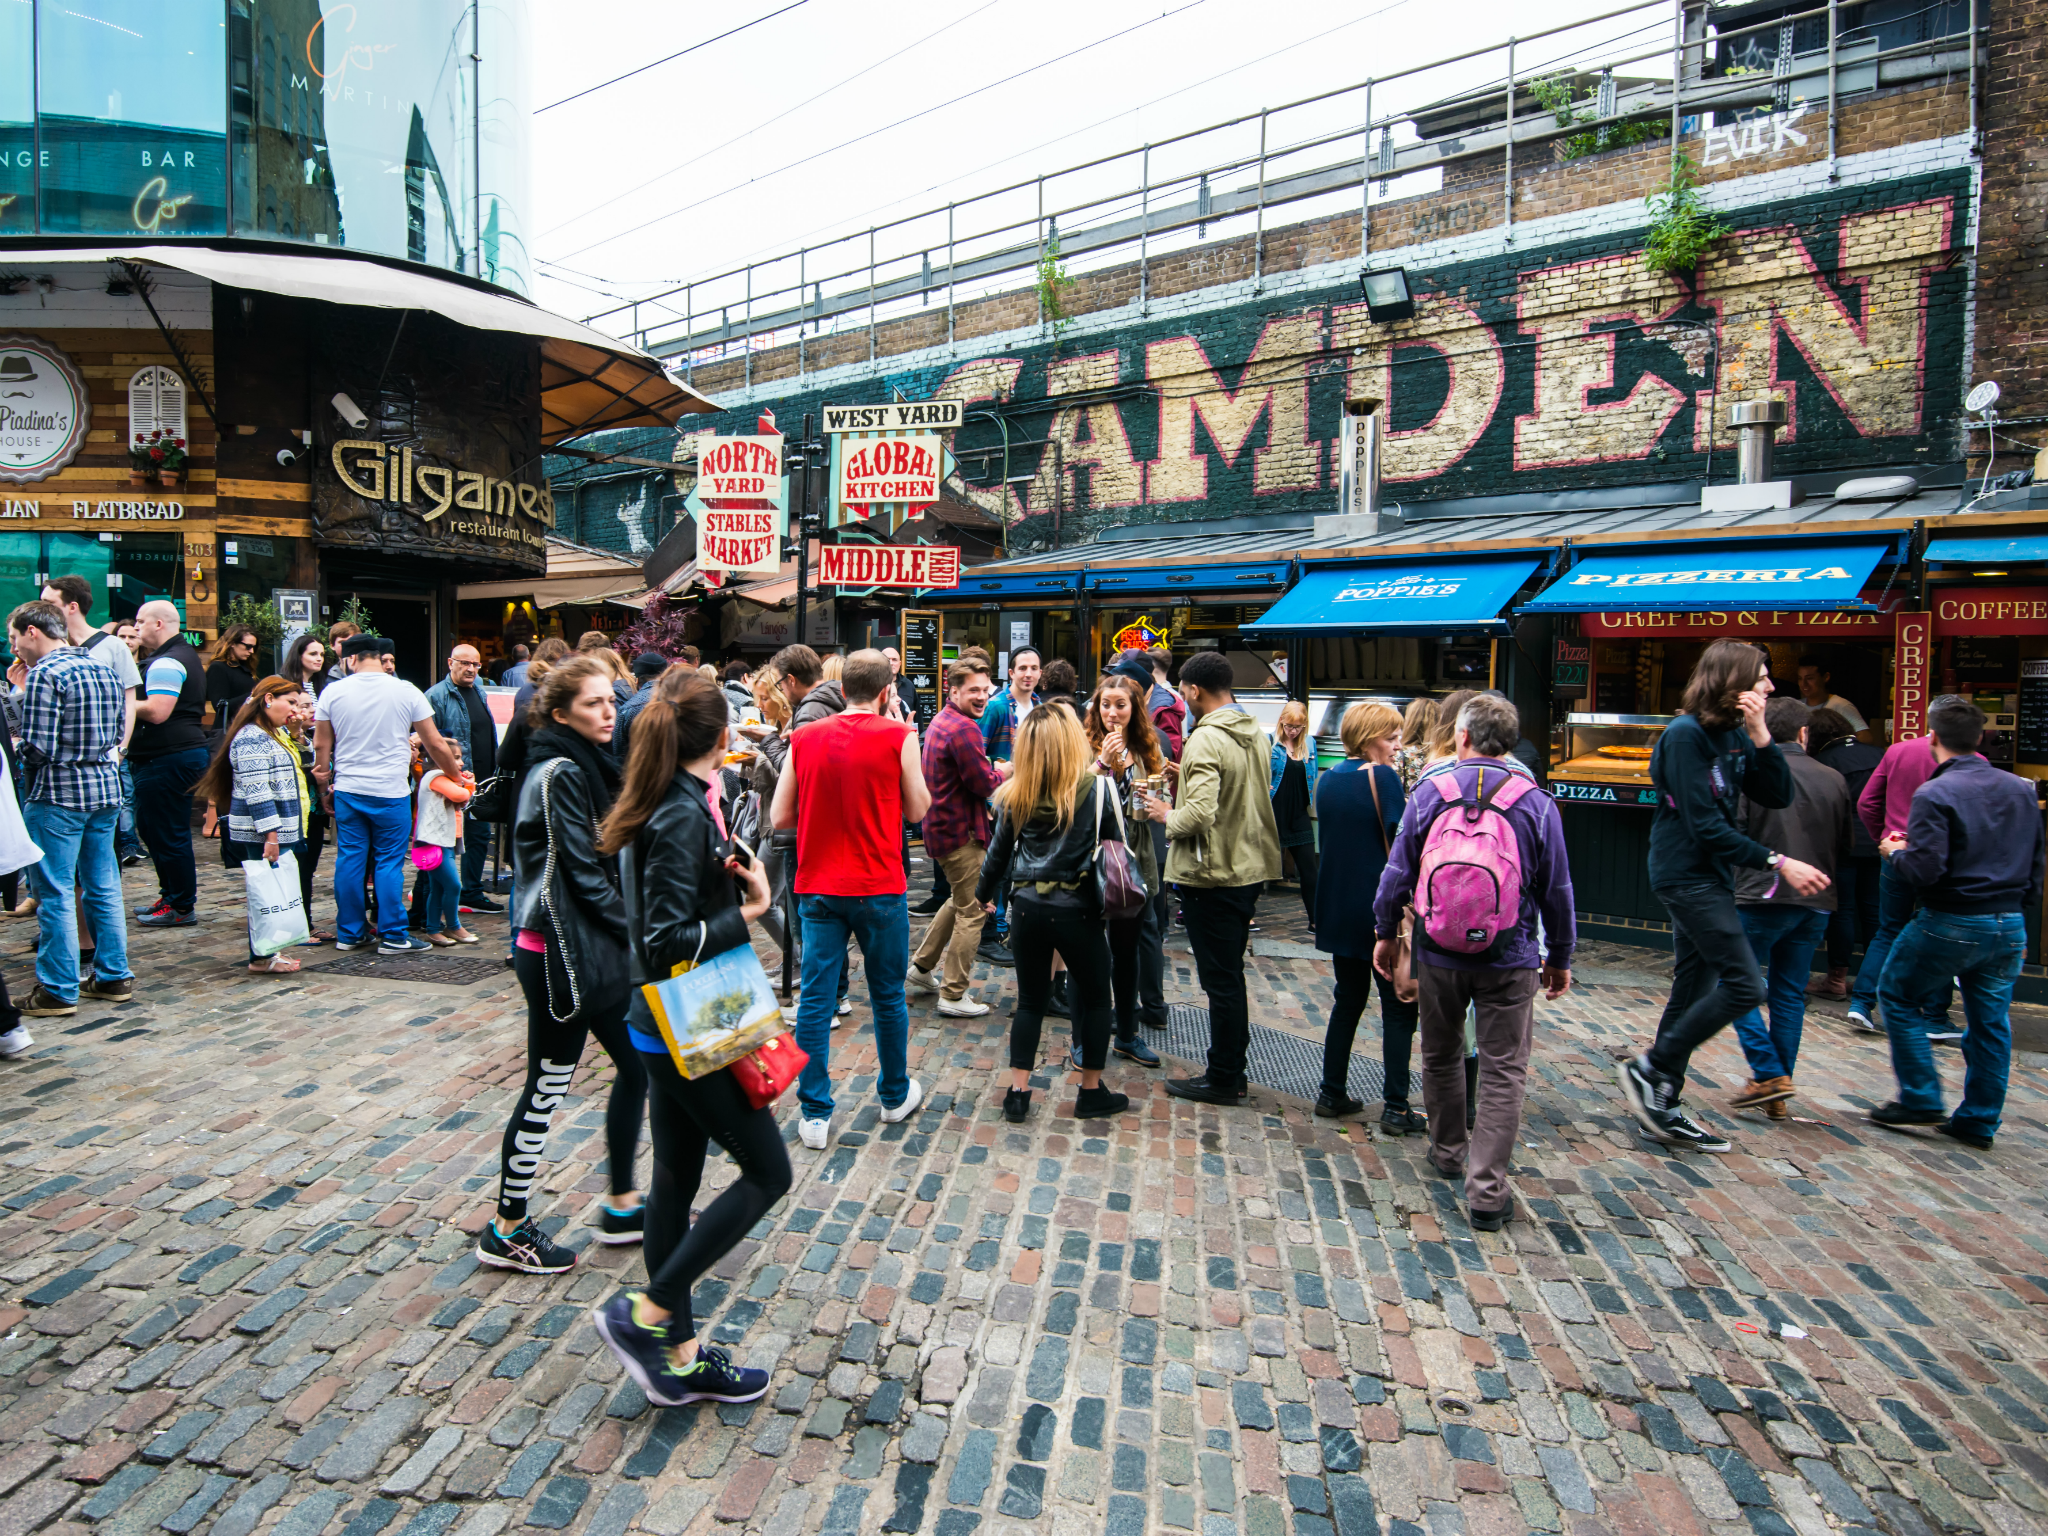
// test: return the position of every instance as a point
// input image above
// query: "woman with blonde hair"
(1050, 818)
(834, 665)
(1443, 736)
(1127, 750)
(1358, 805)
(1418, 725)
(1294, 797)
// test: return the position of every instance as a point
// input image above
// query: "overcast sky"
(701, 154)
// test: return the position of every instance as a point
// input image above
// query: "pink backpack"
(1468, 887)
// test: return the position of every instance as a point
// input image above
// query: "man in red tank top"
(851, 783)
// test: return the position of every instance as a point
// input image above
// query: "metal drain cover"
(1277, 1060)
(442, 970)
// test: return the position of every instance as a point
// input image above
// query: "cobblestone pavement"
(236, 1221)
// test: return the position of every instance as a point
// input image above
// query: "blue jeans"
(1983, 951)
(370, 832)
(1783, 939)
(442, 886)
(882, 926)
(125, 840)
(1895, 903)
(78, 855)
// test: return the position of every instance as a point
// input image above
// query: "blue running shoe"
(645, 1353)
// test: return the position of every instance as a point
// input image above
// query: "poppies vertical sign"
(740, 502)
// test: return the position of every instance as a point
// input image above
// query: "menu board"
(921, 662)
(2033, 726)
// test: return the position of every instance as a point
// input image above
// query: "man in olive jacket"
(1223, 848)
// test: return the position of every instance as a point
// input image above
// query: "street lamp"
(1386, 294)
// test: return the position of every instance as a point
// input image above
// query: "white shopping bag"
(277, 917)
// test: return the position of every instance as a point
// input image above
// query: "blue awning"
(1990, 550)
(1170, 580)
(1427, 594)
(1746, 574)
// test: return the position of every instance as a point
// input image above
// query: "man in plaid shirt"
(961, 778)
(72, 718)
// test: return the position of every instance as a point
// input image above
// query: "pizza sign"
(44, 410)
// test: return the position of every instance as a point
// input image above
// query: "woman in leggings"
(1051, 818)
(1127, 751)
(569, 953)
(688, 899)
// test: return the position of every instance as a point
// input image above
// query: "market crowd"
(659, 809)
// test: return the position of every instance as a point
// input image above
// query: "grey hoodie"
(821, 703)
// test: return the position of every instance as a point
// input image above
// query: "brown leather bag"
(1407, 986)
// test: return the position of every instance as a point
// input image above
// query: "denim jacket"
(1308, 762)
(451, 717)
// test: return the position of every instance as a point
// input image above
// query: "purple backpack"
(1468, 887)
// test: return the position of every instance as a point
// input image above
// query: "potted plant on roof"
(164, 456)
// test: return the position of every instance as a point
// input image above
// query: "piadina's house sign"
(43, 410)
(399, 498)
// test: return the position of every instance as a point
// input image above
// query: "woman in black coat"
(569, 938)
(689, 898)
(1358, 806)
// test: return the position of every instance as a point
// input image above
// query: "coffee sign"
(44, 410)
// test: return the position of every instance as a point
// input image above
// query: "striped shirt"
(72, 713)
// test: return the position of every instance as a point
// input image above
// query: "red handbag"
(765, 1072)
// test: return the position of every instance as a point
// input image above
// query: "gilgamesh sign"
(1912, 666)
(918, 567)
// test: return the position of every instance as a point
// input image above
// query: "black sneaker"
(931, 904)
(994, 952)
(42, 1004)
(409, 945)
(1955, 1132)
(120, 990)
(1493, 1221)
(1016, 1105)
(1400, 1120)
(1333, 1106)
(1098, 1103)
(1650, 1095)
(480, 904)
(1681, 1132)
(525, 1248)
(1893, 1116)
(615, 1228)
(1208, 1089)
(130, 860)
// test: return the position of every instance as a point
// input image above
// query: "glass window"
(17, 118)
(506, 113)
(132, 99)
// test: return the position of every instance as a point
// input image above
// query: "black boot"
(1062, 1003)
(1208, 1089)
(1098, 1103)
(1016, 1105)
(932, 903)
(1335, 1105)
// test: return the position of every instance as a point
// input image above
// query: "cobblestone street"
(237, 1219)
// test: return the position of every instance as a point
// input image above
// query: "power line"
(887, 128)
(768, 122)
(629, 74)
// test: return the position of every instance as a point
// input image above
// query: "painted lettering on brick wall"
(1545, 368)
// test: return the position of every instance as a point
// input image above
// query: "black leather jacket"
(681, 905)
(1041, 851)
(567, 891)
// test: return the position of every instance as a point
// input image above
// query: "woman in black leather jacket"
(569, 927)
(1050, 818)
(687, 900)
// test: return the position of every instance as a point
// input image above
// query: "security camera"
(350, 412)
(286, 458)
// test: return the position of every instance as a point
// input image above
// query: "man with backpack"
(1481, 858)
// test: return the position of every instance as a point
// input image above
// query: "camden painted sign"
(44, 410)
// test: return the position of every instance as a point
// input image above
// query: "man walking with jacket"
(1972, 852)
(1499, 984)
(464, 721)
(1784, 926)
(1222, 849)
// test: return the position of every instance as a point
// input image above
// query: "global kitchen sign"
(44, 410)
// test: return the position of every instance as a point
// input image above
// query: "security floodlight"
(1386, 294)
(350, 412)
(1983, 397)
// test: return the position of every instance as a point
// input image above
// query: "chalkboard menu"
(1986, 663)
(1614, 693)
(921, 660)
(2033, 727)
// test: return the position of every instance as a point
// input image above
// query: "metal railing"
(1097, 217)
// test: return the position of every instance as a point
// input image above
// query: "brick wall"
(2012, 264)
(1559, 361)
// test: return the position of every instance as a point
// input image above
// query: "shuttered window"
(156, 403)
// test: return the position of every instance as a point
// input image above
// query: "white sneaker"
(909, 1105)
(962, 1007)
(17, 1041)
(916, 980)
(813, 1133)
(1858, 1019)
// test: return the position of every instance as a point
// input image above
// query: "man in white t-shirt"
(362, 751)
(1816, 688)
